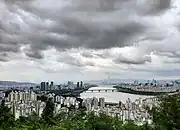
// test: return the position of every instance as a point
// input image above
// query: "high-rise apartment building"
(47, 86)
(43, 86)
(78, 85)
(81, 84)
(52, 83)
(95, 102)
(102, 102)
(22, 96)
(51, 86)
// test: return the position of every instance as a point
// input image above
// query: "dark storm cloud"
(36, 55)
(154, 7)
(169, 54)
(95, 6)
(67, 59)
(79, 24)
(115, 37)
(137, 61)
(3, 57)
(9, 39)
(87, 54)
(162, 5)
(151, 38)
(170, 57)
(9, 28)
(74, 33)
(8, 47)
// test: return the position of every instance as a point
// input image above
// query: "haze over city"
(89, 40)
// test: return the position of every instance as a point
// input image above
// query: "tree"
(48, 112)
(6, 117)
(166, 115)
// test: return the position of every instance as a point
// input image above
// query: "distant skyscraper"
(47, 86)
(51, 85)
(43, 86)
(81, 85)
(77, 84)
(95, 102)
(102, 102)
(136, 82)
(69, 83)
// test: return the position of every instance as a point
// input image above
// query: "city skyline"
(82, 40)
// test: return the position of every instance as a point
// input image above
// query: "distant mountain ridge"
(11, 83)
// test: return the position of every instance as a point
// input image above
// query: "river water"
(113, 97)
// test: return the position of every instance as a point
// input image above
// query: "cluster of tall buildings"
(46, 86)
(157, 83)
(63, 103)
(24, 103)
(93, 103)
(79, 85)
(21, 96)
(71, 85)
(124, 110)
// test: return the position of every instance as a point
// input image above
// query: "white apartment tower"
(102, 102)
(95, 102)
(22, 96)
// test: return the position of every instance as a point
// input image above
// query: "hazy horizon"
(98, 82)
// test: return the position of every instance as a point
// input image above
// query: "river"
(113, 97)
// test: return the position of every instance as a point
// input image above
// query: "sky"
(76, 40)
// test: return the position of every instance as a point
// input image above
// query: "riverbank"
(139, 92)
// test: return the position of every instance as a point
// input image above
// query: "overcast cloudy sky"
(89, 39)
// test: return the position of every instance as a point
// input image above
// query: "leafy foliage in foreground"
(6, 117)
(166, 116)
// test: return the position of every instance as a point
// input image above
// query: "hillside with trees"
(165, 116)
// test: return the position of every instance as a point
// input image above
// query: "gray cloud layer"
(73, 61)
(3, 57)
(141, 60)
(97, 24)
(95, 38)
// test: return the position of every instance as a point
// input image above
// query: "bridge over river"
(101, 89)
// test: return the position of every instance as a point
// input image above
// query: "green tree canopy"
(166, 115)
(6, 117)
(48, 112)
